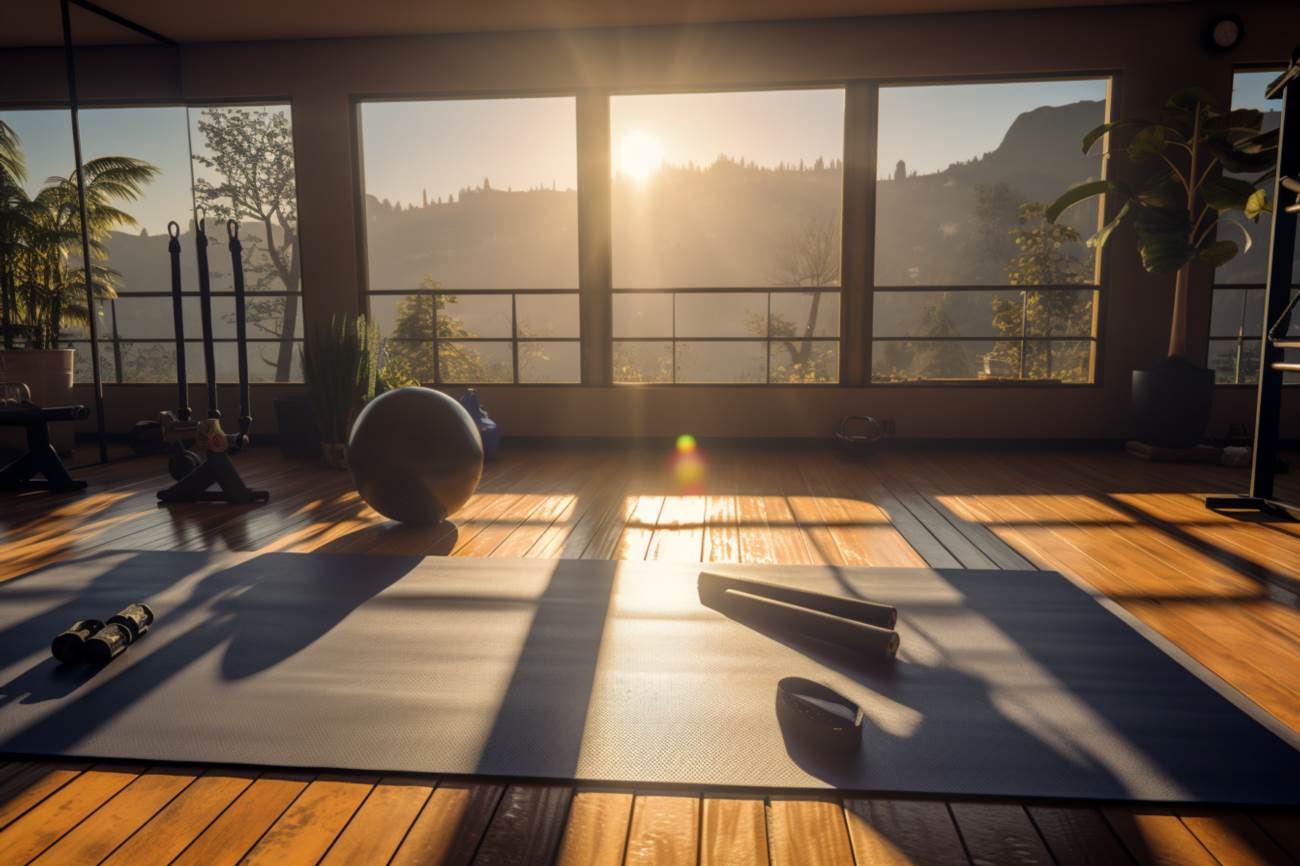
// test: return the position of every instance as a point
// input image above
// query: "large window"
(472, 239)
(970, 281)
(141, 174)
(726, 236)
(1237, 314)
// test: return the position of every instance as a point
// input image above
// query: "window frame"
(1101, 264)
(95, 104)
(1289, 380)
(840, 288)
(364, 291)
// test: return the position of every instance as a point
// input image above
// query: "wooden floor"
(1135, 531)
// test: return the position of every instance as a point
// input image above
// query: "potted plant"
(340, 365)
(1197, 165)
(42, 276)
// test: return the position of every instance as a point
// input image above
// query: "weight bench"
(18, 410)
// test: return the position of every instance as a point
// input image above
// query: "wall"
(1150, 50)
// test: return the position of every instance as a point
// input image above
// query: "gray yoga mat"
(1009, 683)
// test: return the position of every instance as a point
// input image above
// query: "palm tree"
(13, 206)
(40, 261)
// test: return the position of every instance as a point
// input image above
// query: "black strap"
(205, 315)
(241, 343)
(178, 322)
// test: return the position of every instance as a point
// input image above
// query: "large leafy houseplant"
(1197, 165)
(1199, 171)
(340, 365)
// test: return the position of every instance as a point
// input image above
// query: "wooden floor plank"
(997, 833)
(379, 826)
(1282, 828)
(307, 828)
(595, 833)
(665, 830)
(36, 781)
(450, 826)
(1131, 530)
(1235, 840)
(904, 833)
(1157, 839)
(808, 832)
(181, 821)
(527, 826)
(42, 826)
(733, 832)
(226, 840)
(113, 823)
(1078, 836)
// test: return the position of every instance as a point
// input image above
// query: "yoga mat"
(1008, 683)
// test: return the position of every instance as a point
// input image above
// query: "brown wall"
(1150, 50)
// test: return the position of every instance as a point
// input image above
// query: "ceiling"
(36, 22)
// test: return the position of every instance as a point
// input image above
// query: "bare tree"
(250, 152)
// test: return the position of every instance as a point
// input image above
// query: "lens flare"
(690, 470)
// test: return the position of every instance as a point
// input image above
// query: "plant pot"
(49, 373)
(295, 420)
(335, 454)
(1172, 403)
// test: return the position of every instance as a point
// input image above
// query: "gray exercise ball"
(416, 455)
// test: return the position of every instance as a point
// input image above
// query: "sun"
(639, 155)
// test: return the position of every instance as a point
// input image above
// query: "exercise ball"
(415, 455)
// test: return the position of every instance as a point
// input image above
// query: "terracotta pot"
(49, 373)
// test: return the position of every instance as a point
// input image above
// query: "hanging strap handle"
(205, 312)
(183, 411)
(241, 343)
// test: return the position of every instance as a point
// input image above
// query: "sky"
(443, 146)
(932, 126)
(155, 134)
(1248, 90)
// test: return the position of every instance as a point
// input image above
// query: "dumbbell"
(95, 641)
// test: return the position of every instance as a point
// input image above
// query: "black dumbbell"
(69, 645)
(135, 618)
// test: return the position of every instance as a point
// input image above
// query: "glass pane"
(473, 363)
(643, 315)
(947, 314)
(1062, 360)
(727, 189)
(815, 314)
(267, 362)
(406, 362)
(549, 362)
(1056, 314)
(1226, 312)
(474, 316)
(804, 361)
(247, 150)
(960, 168)
(1229, 365)
(722, 315)
(1251, 266)
(643, 362)
(700, 361)
(547, 315)
(908, 360)
(471, 193)
(405, 317)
